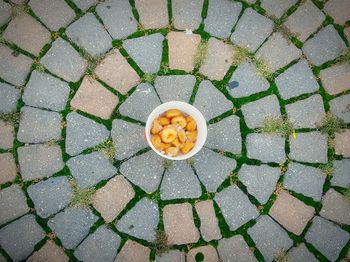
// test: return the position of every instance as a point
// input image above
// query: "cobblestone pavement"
(78, 79)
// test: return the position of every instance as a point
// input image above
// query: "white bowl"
(187, 109)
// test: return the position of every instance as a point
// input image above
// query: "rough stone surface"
(221, 17)
(64, 61)
(313, 180)
(309, 147)
(341, 176)
(335, 207)
(209, 223)
(145, 171)
(102, 245)
(269, 237)
(326, 237)
(179, 224)
(171, 256)
(147, 9)
(12, 203)
(85, 4)
(266, 147)
(19, 238)
(335, 79)
(133, 251)
(46, 91)
(340, 106)
(112, 198)
(251, 30)
(338, 10)
(89, 34)
(146, 51)
(9, 96)
(83, 133)
(5, 12)
(300, 253)
(324, 46)
(239, 213)
(90, 169)
(347, 33)
(8, 169)
(212, 168)
(49, 252)
(141, 221)
(187, 14)
(277, 8)
(209, 253)
(259, 180)
(7, 133)
(50, 196)
(72, 225)
(235, 249)
(182, 50)
(296, 80)
(39, 161)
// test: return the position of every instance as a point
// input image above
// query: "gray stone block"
(341, 176)
(5, 12)
(85, 4)
(235, 249)
(187, 14)
(300, 253)
(340, 107)
(277, 8)
(171, 256)
(9, 96)
(335, 207)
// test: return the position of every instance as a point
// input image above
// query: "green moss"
(167, 163)
(12, 118)
(201, 54)
(107, 148)
(328, 169)
(81, 196)
(277, 125)
(331, 124)
(149, 78)
(240, 55)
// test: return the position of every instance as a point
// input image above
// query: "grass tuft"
(12, 118)
(38, 66)
(107, 148)
(149, 78)
(346, 193)
(161, 242)
(277, 125)
(280, 256)
(190, 161)
(92, 62)
(263, 69)
(81, 196)
(19, 9)
(155, 196)
(240, 55)
(345, 57)
(201, 54)
(331, 124)
(328, 169)
(167, 163)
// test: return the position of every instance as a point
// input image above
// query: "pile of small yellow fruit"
(174, 133)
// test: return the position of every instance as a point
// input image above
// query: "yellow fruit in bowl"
(164, 121)
(191, 125)
(187, 147)
(192, 135)
(182, 135)
(156, 128)
(179, 120)
(172, 151)
(168, 135)
(172, 113)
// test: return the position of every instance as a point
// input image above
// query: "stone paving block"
(259, 180)
(307, 113)
(37, 126)
(14, 67)
(141, 221)
(269, 237)
(324, 46)
(337, 9)
(335, 79)
(133, 251)
(5, 12)
(27, 33)
(102, 245)
(222, 15)
(128, 138)
(13, 204)
(115, 71)
(277, 52)
(179, 181)
(251, 30)
(117, 18)
(147, 10)
(140, 103)
(145, 171)
(64, 61)
(71, 234)
(312, 180)
(277, 8)
(300, 253)
(309, 147)
(249, 80)
(90, 169)
(49, 252)
(19, 238)
(83, 133)
(335, 207)
(296, 80)
(39, 161)
(340, 107)
(112, 198)
(257, 111)
(9, 96)
(89, 34)
(7, 133)
(54, 14)
(8, 169)
(46, 91)
(235, 207)
(235, 249)
(209, 223)
(291, 213)
(218, 59)
(179, 224)
(327, 237)
(305, 20)
(187, 14)
(209, 253)
(182, 50)
(146, 51)
(95, 99)
(171, 256)
(225, 135)
(266, 147)
(50, 196)
(210, 101)
(167, 87)
(84, 5)
(341, 176)
(212, 168)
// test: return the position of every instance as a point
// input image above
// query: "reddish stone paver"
(147, 9)
(94, 99)
(291, 213)
(49, 252)
(336, 79)
(6, 135)
(335, 207)
(209, 252)
(342, 142)
(111, 199)
(133, 252)
(179, 224)
(115, 71)
(339, 10)
(8, 170)
(182, 50)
